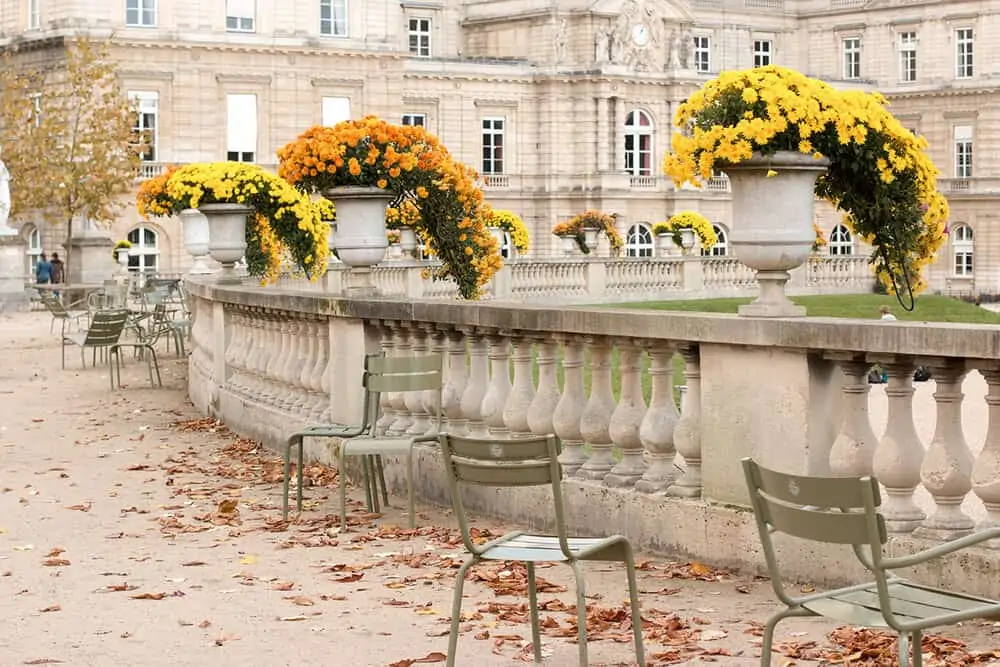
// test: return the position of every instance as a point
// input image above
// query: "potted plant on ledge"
(683, 228)
(783, 138)
(121, 251)
(584, 229)
(500, 221)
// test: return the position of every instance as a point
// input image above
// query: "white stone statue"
(602, 47)
(562, 41)
(676, 47)
(5, 230)
(687, 49)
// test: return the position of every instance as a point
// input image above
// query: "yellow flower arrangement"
(413, 165)
(820, 241)
(879, 173)
(513, 225)
(602, 222)
(120, 245)
(284, 223)
(693, 220)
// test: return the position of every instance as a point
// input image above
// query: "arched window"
(33, 239)
(507, 250)
(962, 248)
(841, 242)
(639, 143)
(639, 242)
(145, 252)
(721, 247)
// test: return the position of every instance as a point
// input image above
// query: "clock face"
(640, 34)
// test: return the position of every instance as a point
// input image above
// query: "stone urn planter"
(568, 245)
(227, 237)
(122, 256)
(664, 244)
(196, 240)
(590, 235)
(407, 240)
(361, 240)
(773, 223)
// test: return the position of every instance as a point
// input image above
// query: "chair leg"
(581, 612)
(156, 367)
(633, 595)
(298, 475)
(772, 623)
(111, 372)
(536, 638)
(907, 643)
(380, 470)
(409, 487)
(342, 483)
(287, 477)
(917, 642)
(456, 612)
(371, 499)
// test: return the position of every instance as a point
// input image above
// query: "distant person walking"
(58, 269)
(43, 270)
(886, 315)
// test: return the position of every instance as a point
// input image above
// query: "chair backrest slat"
(54, 305)
(383, 365)
(387, 374)
(842, 492)
(821, 526)
(491, 474)
(403, 383)
(105, 328)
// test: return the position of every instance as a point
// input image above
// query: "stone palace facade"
(562, 105)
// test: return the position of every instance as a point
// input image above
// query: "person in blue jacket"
(43, 270)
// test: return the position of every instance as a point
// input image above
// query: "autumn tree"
(68, 133)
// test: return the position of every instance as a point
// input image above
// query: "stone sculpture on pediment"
(562, 41)
(637, 36)
(681, 54)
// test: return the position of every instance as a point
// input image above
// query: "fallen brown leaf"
(55, 562)
(53, 607)
(149, 596)
(434, 657)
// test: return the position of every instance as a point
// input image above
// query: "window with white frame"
(962, 248)
(493, 144)
(34, 248)
(241, 127)
(841, 242)
(34, 14)
(762, 52)
(852, 57)
(638, 143)
(908, 56)
(507, 249)
(144, 254)
(721, 247)
(639, 241)
(144, 130)
(333, 18)
(702, 53)
(963, 53)
(240, 15)
(420, 37)
(140, 13)
(415, 119)
(963, 151)
(336, 110)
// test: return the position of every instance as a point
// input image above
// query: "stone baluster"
(262, 351)
(430, 398)
(541, 413)
(454, 384)
(419, 419)
(947, 468)
(277, 387)
(569, 410)
(403, 419)
(899, 453)
(293, 396)
(244, 349)
(237, 332)
(687, 435)
(269, 365)
(499, 385)
(325, 381)
(658, 424)
(388, 399)
(854, 447)
(522, 391)
(317, 374)
(627, 418)
(476, 387)
(986, 471)
(303, 367)
(596, 418)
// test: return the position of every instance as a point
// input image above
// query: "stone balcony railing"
(609, 280)
(792, 393)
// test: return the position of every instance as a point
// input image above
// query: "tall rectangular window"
(762, 51)
(140, 13)
(241, 127)
(333, 18)
(963, 53)
(34, 14)
(146, 105)
(852, 57)
(907, 56)
(240, 15)
(702, 53)
(420, 37)
(415, 119)
(963, 151)
(336, 110)
(493, 136)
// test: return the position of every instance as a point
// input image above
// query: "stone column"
(414, 400)
(389, 414)
(569, 410)
(619, 147)
(687, 435)
(596, 418)
(603, 149)
(499, 385)
(400, 426)
(475, 388)
(541, 412)
(454, 384)
(854, 448)
(658, 424)
(986, 471)
(627, 417)
(522, 391)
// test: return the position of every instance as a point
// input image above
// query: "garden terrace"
(793, 393)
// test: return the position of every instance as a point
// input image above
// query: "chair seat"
(541, 548)
(910, 602)
(362, 446)
(76, 338)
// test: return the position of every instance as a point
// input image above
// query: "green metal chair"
(67, 316)
(382, 374)
(529, 462)
(144, 345)
(103, 334)
(844, 510)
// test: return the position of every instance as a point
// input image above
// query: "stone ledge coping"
(979, 343)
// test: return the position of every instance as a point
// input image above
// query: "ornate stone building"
(562, 105)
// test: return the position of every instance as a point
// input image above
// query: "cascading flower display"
(513, 224)
(152, 199)
(692, 220)
(602, 222)
(879, 175)
(285, 224)
(413, 165)
(820, 241)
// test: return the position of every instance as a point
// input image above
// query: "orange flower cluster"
(153, 199)
(412, 164)
(602, 222)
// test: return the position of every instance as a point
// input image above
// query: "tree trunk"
(68, 248)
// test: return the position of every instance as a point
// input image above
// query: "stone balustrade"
(609, 279)
(793, 393)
